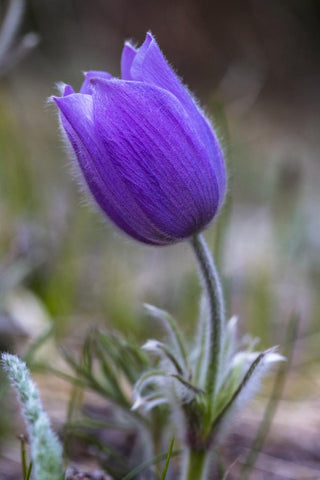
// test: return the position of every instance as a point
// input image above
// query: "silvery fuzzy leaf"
(230, 341)
(173, 330)
(148, 402)
(202, 343)
(45, 448)
(245, 358)
(161, 349)
(152, 376)
(259, 366)
(229, 349)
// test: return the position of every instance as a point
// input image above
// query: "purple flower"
(146, 150)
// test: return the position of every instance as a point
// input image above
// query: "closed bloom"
(146, 150)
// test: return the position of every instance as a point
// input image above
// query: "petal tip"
(54, 99)
(64, 89)
(129, 45)
(149, 39)
(68, 90)
(58, 101)
(51, 100)
(150, 36)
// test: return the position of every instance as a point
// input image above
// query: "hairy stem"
(195, 465)
(211, 284)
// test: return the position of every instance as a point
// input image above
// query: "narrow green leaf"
(242, 385)
(161, 349)
(148, 377)
(172, 329)
(23, 457)
(110, 374)
(28, 357)
(29, 471)
(188, 385)
(149, 463)
(165, 470)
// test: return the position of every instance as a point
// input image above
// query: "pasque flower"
(146, 150)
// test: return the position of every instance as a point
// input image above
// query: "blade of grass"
(74, 406)
(23, 457)
(149, 463)
(29, 471)
(28, 357)
(165, 470)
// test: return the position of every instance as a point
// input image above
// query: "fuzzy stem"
(212, 286)
(195, 465)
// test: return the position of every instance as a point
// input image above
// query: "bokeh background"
(255, 67)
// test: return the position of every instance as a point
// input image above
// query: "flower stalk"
(196, 460)
(195, 465)
(213, 289)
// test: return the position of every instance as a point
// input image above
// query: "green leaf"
(165, 470)
(149, 463)
(28, 476)
(161, 349)
(172, 329)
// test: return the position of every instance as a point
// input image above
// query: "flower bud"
(145, 149)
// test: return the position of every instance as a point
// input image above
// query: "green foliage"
(110, 365)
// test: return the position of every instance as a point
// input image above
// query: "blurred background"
(255, 67)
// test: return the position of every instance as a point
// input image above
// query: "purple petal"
(86, 86)
(158, 154)
(150, 66)
(68, 90)
(103, 181)
(127, 57)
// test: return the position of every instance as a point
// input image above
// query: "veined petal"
(151, 142)
(127, 57)
(104, 183)
(86, 87)
(150, 66)
(68, 90)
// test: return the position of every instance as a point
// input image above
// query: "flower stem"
(212, 286)
(195, 465)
